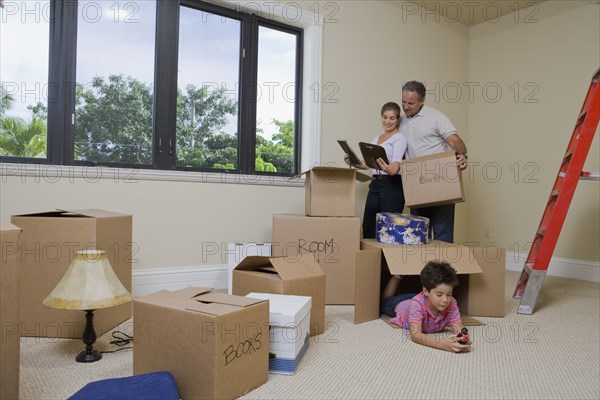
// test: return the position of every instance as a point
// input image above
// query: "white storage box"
(289, 330)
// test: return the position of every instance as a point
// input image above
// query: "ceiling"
(469, 12)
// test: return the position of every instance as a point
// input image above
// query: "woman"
(385, 190)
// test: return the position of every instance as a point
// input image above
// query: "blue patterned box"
(402, 228)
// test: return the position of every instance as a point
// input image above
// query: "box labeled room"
(331, 241)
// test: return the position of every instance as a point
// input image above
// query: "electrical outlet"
(487, 233)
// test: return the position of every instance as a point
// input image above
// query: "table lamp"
(89, 284)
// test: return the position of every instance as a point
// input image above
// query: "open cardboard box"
(331, 191)
(48, 245)
(432, 180)
(300, 276)
(216, 345)
(481, 275)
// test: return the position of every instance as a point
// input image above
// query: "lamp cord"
(121, 339)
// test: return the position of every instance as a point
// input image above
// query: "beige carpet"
(552, 354)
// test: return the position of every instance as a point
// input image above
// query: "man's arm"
(459, 148)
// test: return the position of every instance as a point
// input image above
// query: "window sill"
(55, 173)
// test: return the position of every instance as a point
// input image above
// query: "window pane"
(207, 107)
(24, 37)
(115, 75)
(275, 119)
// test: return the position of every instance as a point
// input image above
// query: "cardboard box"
(432, 180)
(300, 276)
(331, 192)
(49, 242)
(333, 243)
(481, 273)
(215, 345)
(289, 330)
(10, 343)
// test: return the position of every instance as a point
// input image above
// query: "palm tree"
(5, 101)
(17, 137)
(20, 139)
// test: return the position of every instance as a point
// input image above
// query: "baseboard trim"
(561, 267)
(146, 281)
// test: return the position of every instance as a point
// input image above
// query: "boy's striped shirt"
(417, 310)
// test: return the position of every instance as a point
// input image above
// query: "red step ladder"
(540, 253)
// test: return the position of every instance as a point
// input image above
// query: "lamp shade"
(89, 284)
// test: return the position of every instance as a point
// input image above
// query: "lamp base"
(89, 337)
(88, 357)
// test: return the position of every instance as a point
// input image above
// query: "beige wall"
(551, 59)
(370, 50)
(373, 49)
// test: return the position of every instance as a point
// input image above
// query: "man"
(428, 131)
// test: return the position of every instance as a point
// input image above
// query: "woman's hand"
(390, 169)
(347, 161)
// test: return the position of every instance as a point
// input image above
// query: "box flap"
(410, 259)
(96, 213)
(367, 283)
(359, 176)
(7, 226)
(202, 300)
(191, 292)
(223, 298)
(252, 263)
(64, 213)
(299, 267)
(53, 214)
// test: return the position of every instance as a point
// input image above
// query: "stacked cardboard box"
(329, 231)
(289, 326)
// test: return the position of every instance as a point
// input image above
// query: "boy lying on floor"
(430, 311)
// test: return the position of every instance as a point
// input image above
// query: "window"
(114, 74)
(24, 35)
(159, 84)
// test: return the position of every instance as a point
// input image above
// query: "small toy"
(464, 336)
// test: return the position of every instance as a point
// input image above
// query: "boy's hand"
(453, 345)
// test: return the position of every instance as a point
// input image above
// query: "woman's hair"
(391, 106)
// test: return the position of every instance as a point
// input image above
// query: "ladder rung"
(582, 115)
(590, 176)
(568, 155)
(541, 231)
(554, 193)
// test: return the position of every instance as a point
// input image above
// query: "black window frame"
(62, 83)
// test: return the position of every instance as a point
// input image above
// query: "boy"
(430, 311)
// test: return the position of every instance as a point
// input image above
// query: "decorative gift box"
(402, 228)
